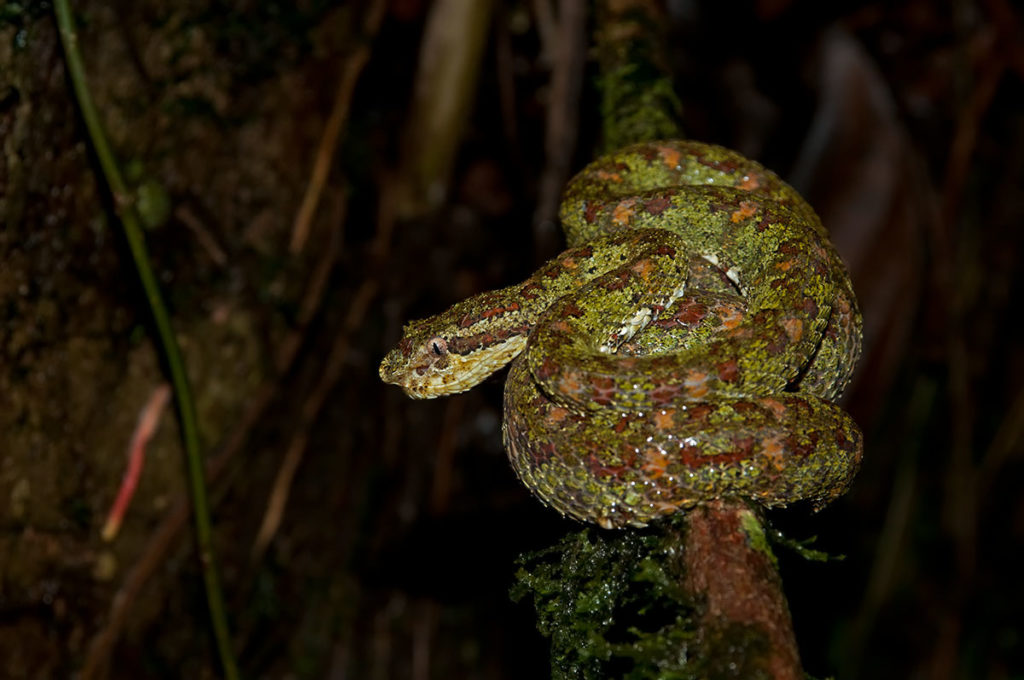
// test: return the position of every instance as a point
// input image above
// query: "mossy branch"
(638, 102)
(133, 234)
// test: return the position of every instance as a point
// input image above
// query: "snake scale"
(688, 345)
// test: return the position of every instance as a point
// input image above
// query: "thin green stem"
(165, 335)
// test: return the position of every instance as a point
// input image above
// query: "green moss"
(611, 604)
(638, 105)
(803, 547)
(638, 100)
(756, 538)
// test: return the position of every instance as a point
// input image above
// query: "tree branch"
(729, 568)
(638, 103)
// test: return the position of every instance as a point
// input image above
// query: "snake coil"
(688, 345)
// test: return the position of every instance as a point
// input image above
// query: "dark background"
(901, 122)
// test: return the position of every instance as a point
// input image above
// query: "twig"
(961, 505)
(544, 17)
(165, 335)
(562, 121)
(966, 135)
(892, 542)
(206, 239)
(504, 69)
(310, 409)
(144, 429)
(281, 489)
(351, 70)
(963, 500)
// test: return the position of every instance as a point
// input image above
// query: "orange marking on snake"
(746, 209)
(623, 212)
(794, 328)
(696, 383)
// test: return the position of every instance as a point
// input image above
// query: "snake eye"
(439, 347)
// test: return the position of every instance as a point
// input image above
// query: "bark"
(731, 572)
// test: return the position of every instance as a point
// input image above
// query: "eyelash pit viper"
(689, 344)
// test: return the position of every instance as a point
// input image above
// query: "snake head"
(453, 351)
(419, 364)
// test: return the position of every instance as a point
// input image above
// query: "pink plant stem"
(148, 420)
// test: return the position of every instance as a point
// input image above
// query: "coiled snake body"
(687, 346)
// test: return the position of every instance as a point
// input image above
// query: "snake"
(690, 344)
